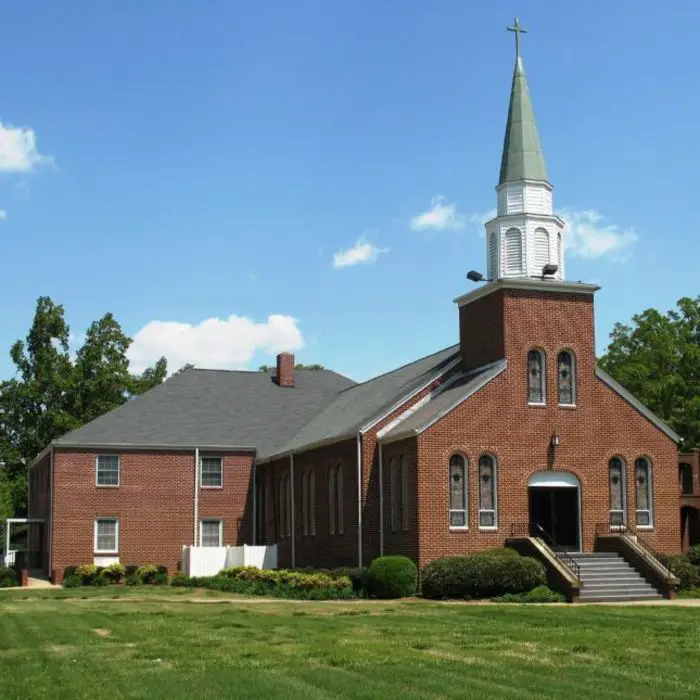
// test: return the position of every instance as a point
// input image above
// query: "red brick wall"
(154, 504)
(481, 331)
(498, 420)
(285, 369)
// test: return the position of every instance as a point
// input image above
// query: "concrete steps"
(607, 577)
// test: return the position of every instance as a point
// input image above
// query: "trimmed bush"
(72, 581)
(392, 577)
(147, 573)
(100, 579)
(8, 577)
(87, 573)
(133, 580)
(481, 575)
(688, 574)
(130, 569)
(115, 572)
(540, 594)
(161, 579)
(283, 577)
(693, 555)
(69, 571)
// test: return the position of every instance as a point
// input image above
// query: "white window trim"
(494, 527)
(650, 494)
(574, 383)
(201, 462)
(119, 472)
(95, 549)
(543, 367)
(465, 510)
(221, 530)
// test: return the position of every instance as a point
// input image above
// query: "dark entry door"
(555, 510)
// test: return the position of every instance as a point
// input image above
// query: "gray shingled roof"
(445, 401)
(214, 408)
(362, 403)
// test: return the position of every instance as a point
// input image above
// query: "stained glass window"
(642, 476)
(487, 491)
(566, 378)
(535, 371)
(617, 491)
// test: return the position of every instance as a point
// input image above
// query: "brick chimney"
(285, 369)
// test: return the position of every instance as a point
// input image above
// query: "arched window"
(393, 491)
(514, 252)
(339, 498)
(536, 376)
(616, 474)
(331, 499)
(458, 491)
(493, 257)
(487, 491)
(404, 492)
(566, 378)
(643, 490)
(685, 475)
(542, 252)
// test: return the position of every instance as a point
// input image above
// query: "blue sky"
(201, 164)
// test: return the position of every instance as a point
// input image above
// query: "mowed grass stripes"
(185, 645)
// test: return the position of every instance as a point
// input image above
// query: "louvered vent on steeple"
(514, 252)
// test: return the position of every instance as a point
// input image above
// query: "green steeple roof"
(522, 156)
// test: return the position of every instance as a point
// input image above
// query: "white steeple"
(525, 235)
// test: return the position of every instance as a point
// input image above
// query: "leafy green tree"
(51, 394)
(269, 368)
(657, 358)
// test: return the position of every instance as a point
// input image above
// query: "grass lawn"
(170, 643)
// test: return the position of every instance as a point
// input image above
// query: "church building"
(512, 431)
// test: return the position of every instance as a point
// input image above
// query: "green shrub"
(100, 579)
(481, 575)
(69, 571)
(115, 572)
(250, 586)
(161, 579)
(358, 575)
(270, 578)
(147, 573)
(130, 569)
(540, 594)
(8, 577)
(179, 579)
(392, 577)
(133, 579)
(688, 574)
(87, 573)
(72, 581)
(693, 555)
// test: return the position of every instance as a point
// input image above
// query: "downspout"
(359, 499)
(255, 503)
(381, 498)
(291, 498)
(196, 495)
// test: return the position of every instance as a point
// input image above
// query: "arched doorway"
(554, 502)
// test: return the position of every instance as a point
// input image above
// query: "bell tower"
(525, 239)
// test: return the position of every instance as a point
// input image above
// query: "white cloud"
(439, 217)
(18, 149)
(362, 252)
(214, 343)
(3, 214)
(479, 219)
(586, 236)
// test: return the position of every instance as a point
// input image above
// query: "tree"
(51, 394)
(269, 368)
(657, 358)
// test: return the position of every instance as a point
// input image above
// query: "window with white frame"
(107, 470)
(488, 480)
(211, 469)
(403, 471)
(211, 533)
(566, 378)
(643, 489)
(536, 375)
(331, 499)
(616, 469)
(458, 491)
(106, 536)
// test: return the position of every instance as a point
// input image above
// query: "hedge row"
(685, 566)
(132, 575)
(8, 577)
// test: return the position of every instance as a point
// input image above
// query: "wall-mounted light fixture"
(554, 442)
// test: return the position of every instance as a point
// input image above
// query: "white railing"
(9, 558)
(208, 561)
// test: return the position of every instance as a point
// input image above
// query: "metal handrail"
(526, 529)
(633, 536)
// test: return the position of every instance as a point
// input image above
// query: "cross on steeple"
(517, 30)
